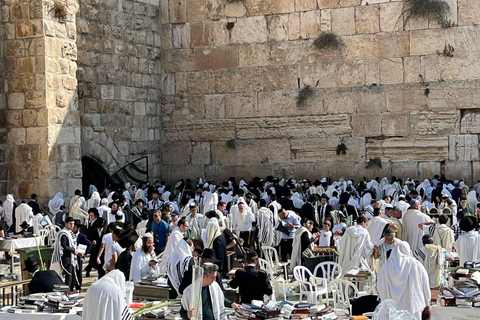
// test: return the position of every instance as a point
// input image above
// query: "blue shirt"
(160, 229)
(295, 220)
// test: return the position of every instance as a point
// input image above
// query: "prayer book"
(82, 248)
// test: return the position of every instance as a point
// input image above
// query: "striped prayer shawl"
(266, 236)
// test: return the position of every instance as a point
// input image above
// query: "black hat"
(127, 238)
(78, 223)
(99, 223)
(30, 265)
(252, 254)
(24, 225)
(212, 214)
(468, 223)
(209, 254)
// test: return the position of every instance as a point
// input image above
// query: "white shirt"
(325, 237)
(239, 224)
(108, 241)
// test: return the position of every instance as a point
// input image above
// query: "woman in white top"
(143, 262)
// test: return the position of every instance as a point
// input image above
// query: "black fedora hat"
(30, 265)
(209, 255)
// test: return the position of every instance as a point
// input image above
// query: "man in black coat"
(42, 281)
(81, 239)
(69, 253)
(95, 234)
(252, 282)
(324, 210)
(126, 209)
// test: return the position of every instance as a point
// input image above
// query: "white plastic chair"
(330, 270)
(309, 285)
(344, 290)
(276, 280)
(52, 233)
(271, 256)
(42, 233)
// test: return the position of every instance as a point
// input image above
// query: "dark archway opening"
(93, 174)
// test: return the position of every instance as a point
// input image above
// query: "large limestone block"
(470, 122)
(241, 105)
(351, 74)
(279, 78)
(254, 55)
(343, 100)
(201, 82)
(195, 10)
(215, 106)
(17, 136)
(294, 26)
(249, 30)
(373, 99)
(367, 19)
(463, 147)
(178, 11)
(251, 152)
(220, 32)
(238, 80)
(176, 60)
(391, 45)
(434, 123)
(277, 27)
(468, 12)
(326, 20)
(404, 169)
(200, 153)
(325, 150)
(411, 69)
(359, 47)
(259, 7)
(366, 125)
(390, 16)
(236, 9)
(283, 6)
(178, 153)
(305, 5)
(327, 4)
(407, 98)
(201, 130)
(391, 71)
(429, 169)
(215, 9)
(395, 124)
(460, 170)
(181, 35)
(309, 24)
(343, 21)
(201, 34)
(196, 106)
(409, 149)
(274, 103)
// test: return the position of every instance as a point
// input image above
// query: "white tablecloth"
(454, 313)
(39, 316)
(11, 244)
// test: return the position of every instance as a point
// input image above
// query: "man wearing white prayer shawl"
(380, 251)
(105, 299)
(403, 279)
(442, 234)
(411, 232)
(265, 223)
(178, 263)
(77, 195)
(144, 261)
(303, 238)
(23, 213)
(401, 204)
(468, 244)
(177, 235)
(8, 210)
(55, 204)
(242, 219)
(355, 246)
(377, 225)
(94, 201)
(433, 259)
(211, 303)
(104, 210)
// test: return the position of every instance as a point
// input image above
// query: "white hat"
(148, 235)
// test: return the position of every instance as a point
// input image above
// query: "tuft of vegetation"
(303, 95)
(427, 9)
(231, 144)
(426, 92)
(59, 10)
(327, 40)
(374, 162)
(341, 148)
(448, 50)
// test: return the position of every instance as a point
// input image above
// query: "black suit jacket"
(82, 239)
(328, 212)
(127, 211)
(252, 283)
(34, 205)
(44, 281)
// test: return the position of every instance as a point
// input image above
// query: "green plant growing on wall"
(426, 9)
(59, 10)
(231, 144)
(341, 148)
(327, 40)
(303, 95)
(374, 162)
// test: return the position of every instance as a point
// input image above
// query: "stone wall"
(119, 76)
(41, 115)
(3, 113)
(393, 91)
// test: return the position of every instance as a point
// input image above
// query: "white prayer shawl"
(443, 236)
(353, 246)
(375, 226)
(253, 206)
(221, 218)
(110, 197)
(383, 185)
(296, 258)
(126, 194)
(210, 201)
(23, 213)
(468, 247)
(297, 200)
(55, 204)
(213, 232)
(139, 267)
(472, 200)
(242, 221)
(58, 251)
(365, 201)
(178, 264)
(175, 237)
(432, 258)
(266, 234)
(382, 255)
(197, 223)
(8, 209)
(216, 295)
(403, 279)
(104, 212)
(72, 202)
(105, 299)
(78, 211)
(275, 220)
(94, 200)
(140, 195)
(411, 233)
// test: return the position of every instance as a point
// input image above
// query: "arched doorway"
(93, 173)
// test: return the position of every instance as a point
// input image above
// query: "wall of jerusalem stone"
(392, 92)
(119, 81)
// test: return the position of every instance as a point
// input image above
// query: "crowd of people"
(402, 231)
